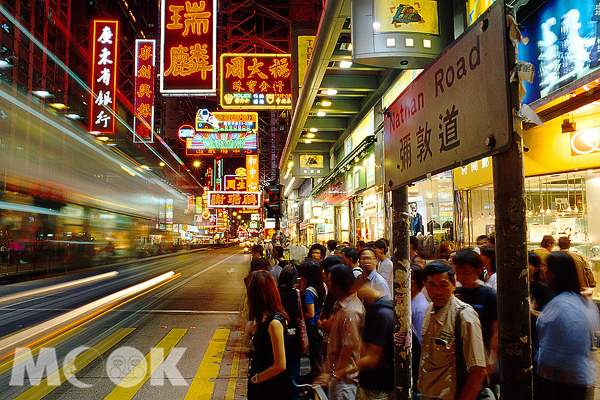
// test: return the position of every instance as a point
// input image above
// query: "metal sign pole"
(514, 330)
(402, 318)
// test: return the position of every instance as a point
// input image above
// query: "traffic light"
(273, 201)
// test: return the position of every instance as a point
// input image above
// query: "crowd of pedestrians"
(335, 307)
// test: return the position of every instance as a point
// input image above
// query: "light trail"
(47, 289)
(14, 340)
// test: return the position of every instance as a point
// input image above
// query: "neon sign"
(233, 199)
(104, 77)
(221, 134)
(188, 47)
(252, 172)
(143, 123)
(235, 183)
(256, 81)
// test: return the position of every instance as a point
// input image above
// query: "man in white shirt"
(385, 267)
(368, 263)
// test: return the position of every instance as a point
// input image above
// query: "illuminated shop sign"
(207, 121)
(395, 17)
(104, 77)
(252, 173)
(188, 47)
(234, 199)
(206, 220)
(562, 46)
(256, 81)
(585, 141)
(221, 134)
(186, 132)
(143, 124)
(235, 183)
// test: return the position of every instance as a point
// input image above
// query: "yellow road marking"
(37, 392)
(204, 382)
(153, 360)
(35, 351)
(235, 365)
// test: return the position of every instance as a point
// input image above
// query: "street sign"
(457, 110)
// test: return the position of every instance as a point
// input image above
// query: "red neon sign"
(143, 123)
(104, 77)
(188, 47)
(233, 199)
(256, 81)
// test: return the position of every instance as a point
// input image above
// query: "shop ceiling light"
(409, 42)
(427, 43)
(313, 130)
(321, 114)
(58, 106)
(345, 64)
(310, 135)
(308, 141)
(329, 92)
(326, 103)
(72, 116)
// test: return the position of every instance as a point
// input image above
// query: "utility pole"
(401, 295)
(514, 329)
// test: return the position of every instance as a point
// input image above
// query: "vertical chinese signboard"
(188, 47)
(143, 124)
(252, 173)
(256, 81)
(104, 77)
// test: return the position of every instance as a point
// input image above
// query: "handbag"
(302, 326)
(461, 371)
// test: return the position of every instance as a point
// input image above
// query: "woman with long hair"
(314, 296)
(566, 366)
(268, 376)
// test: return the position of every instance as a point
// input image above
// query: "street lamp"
(196, 163)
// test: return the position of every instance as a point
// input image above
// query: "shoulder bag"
(302, 326)
(461, 370)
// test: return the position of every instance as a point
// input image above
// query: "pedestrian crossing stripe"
(153, 360)
(204, 381)
(81, 361)
(7, 366)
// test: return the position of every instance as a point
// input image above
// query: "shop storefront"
(562, 156)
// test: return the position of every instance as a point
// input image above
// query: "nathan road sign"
(455, 111)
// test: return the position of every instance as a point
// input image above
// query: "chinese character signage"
(252, 173)
(143, 123)
(206, 220)
(104, 77)
(234, 183)
(188, 47)
(448, 114)
(233, 199)
(221, 134)
(256, 81)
